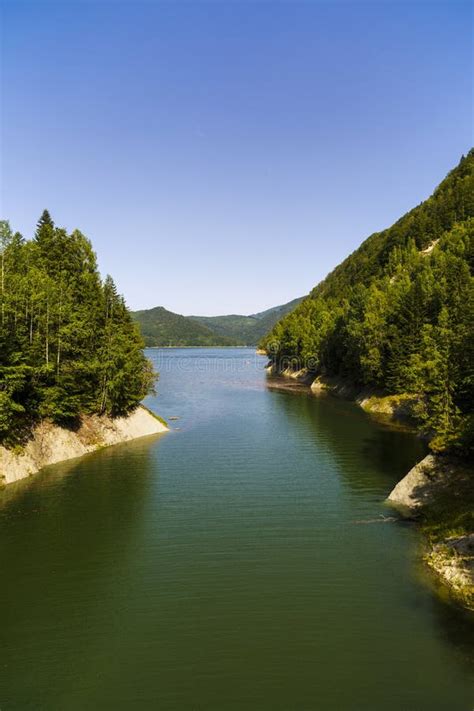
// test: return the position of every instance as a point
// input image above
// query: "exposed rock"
(410, 493)
(51, 444)
(463, 545)
(427, 480)
(288, 378)
(336, 386)
(453, 561)
(440, 490)
(396, 410)
(398, 407)
(301, 374)
(429, 248)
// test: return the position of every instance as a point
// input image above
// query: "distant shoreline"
(171, 348)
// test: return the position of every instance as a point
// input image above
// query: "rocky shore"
(438, 492)
(51, 444)
(392, 407)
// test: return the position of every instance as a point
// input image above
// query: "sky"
(223, 157)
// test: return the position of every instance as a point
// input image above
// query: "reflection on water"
(224, 565)
(363, 448)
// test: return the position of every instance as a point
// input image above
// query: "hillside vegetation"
(163, 328)
(398, 314)
(68, 345)
(246, 330)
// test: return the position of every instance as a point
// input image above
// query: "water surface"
(234, 563)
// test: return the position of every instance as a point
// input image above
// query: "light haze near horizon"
(223, 158)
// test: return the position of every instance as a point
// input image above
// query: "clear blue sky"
(223, 157)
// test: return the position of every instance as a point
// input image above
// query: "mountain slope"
(398, 314)
(160, 327)
(268, 318)
(238, 328)
(247, 330)
(163, 328)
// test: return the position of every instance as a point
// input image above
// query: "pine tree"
(68, 346)
(400, 316)
(44, 221)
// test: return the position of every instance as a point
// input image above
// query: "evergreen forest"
(68, 345)
(398, 315)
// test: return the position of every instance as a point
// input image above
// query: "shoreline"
(437, 493)
(51, 444)
(171, 348)
(393, 409)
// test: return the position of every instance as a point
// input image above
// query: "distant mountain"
(247, 330)
(161, 328)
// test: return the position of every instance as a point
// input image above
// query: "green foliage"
(398, 314)
(163, 328)
(246, 330)
(68, 345)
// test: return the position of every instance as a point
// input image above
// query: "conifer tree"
(399, 314)
(44, 221)
(62, 334)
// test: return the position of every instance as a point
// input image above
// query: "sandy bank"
(51, 444)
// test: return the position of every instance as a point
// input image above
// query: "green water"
(227, 564)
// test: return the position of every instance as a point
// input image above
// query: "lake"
(240, 561)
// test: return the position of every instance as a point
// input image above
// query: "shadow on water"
(380, 455)
(454, 624)
(377, 451)
(68, 538)
(221, 568)
(99, 493)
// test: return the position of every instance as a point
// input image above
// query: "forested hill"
(398, 314)
(165, 328)
(68, 345)
(247, 330)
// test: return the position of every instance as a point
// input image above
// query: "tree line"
(68, 345)
(398, 315)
